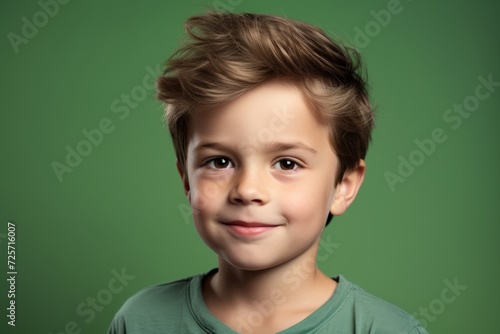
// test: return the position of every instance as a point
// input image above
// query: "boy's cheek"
(204, 193)
(300, 207)
(309, 205)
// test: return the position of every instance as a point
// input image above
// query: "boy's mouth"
(248, 224)
(243, 228)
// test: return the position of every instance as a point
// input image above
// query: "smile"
(249, 228)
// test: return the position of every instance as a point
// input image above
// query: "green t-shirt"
(178, 307)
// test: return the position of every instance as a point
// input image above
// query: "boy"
(271, 122)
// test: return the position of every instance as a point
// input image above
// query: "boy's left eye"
(286, 164)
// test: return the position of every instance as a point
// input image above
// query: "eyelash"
(211, 164)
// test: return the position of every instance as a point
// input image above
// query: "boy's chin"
(254, 264)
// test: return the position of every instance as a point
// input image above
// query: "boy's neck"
(291, 291)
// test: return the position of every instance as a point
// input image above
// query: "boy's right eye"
(219, 163)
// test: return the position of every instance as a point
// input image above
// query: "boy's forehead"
(271, 105)
(256, 110)
(266, 117)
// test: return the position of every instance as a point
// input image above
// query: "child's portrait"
(249, 167)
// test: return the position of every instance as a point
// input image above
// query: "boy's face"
(260, 177)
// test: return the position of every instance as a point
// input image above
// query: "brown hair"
(227, 54)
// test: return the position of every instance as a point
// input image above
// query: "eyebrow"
(278, 146)
(273, 147)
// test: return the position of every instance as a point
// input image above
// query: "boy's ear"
(184, 178)
(348, 188)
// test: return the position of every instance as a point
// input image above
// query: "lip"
(243, 228)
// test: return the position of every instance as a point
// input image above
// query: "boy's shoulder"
(159, 296)
(156, 309)
(357, 309)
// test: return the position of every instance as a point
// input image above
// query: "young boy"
(270, 121)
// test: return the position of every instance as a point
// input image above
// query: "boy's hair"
(228, 54)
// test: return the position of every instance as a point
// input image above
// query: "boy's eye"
(286, 164)
(219, 163)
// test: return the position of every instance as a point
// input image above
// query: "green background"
(122, 205)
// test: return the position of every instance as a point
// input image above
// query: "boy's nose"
(249, 188)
